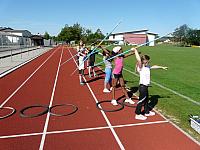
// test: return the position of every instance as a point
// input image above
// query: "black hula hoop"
(114, 110)
(126, 104)
(74, 109)
(22, 114)
(8, 115)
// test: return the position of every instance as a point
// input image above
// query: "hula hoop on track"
(114, 110)
(22, 112)
(8, 115)
(74, 109)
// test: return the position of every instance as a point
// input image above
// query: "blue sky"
(159, 16)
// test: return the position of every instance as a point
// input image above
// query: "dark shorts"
(91, 63)
(81, 72)
(117, 76)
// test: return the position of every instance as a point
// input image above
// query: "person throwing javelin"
(143, 68)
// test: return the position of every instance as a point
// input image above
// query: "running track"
(43, 81)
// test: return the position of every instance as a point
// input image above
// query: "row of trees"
(186, 35)
(183, 35)
(76, 33)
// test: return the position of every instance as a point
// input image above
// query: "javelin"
(97, 46)
(131, 49)
(73, 56)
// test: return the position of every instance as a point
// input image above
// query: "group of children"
(82, 53)
(115, 76)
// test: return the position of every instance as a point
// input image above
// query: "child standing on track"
(108, 71)
(91, 62)
(117, 74)
(81, 55)
(143, 68)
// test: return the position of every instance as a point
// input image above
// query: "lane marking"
(84, 129)
(104, 115)
(181, 130)
(5, 101)
(165, 88)
(50, 104)
(168, 89)
(183, 96)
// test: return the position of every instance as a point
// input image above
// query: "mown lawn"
(183, 76)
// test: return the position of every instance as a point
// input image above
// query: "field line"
(168, 89)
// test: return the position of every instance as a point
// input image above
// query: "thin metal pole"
(130, 49)
(97, 46)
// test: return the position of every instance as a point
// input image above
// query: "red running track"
(43, 81)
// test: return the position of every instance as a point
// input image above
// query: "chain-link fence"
(9, 41)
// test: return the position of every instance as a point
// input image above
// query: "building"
(137, 37)
(16, 37)
(37, 40)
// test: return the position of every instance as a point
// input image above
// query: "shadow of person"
(132, 90)
(154, 100)
(95, 79)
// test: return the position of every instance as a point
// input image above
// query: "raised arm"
(129, 54)
(137, 56)
(158, 67)
(105, 50)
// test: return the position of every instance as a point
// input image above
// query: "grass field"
(182, 76)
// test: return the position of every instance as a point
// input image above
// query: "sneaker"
(114, 102)
(111, 88)
(106, 91)
(81, 83)
(128, 100)
(151, 113)
(140, 117)
(128, 89)
(135, 96)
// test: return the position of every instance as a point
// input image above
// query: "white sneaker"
(129, 101)
(106, 91)
(111, 88)
(137, 97)
(151, 113)
(140, 117)
(114, 102)
(81, 83)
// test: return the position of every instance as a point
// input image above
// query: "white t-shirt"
(144, 75)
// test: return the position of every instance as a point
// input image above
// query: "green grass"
(183, 76)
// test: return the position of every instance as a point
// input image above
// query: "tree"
(194, 37)
(46, 35)
(77, 33)
(180, 34)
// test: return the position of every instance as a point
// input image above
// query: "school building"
(136, 37)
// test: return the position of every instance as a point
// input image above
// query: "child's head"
(145, 59)
(116, 50)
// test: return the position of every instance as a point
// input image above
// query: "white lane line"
(50, 104)
(168, 89)
(83, 129)
(104, 115)
(5, 101)
(183, 96)
(181, 130)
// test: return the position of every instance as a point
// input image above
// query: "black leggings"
(143, 100)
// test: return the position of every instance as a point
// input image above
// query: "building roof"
(135, 31)
(37, 37)
(5, 28)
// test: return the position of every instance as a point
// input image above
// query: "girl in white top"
(81, 65)
(143, 69)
